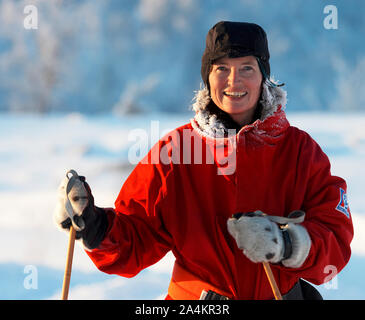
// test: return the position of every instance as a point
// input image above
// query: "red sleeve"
(136, 237)
(328, 219)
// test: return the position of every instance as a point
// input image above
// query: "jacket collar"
(273, 102)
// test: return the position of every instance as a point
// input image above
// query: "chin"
(236, 110)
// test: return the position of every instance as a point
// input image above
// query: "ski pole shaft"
(273, 284)
(68, 268)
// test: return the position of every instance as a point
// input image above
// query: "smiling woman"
(235, 87)
(223, 225)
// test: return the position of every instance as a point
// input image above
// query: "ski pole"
(273, 284)
(73, 228)
(68, 268)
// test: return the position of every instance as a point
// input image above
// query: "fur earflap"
(271, 98)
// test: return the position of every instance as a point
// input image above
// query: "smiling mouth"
(235, 94)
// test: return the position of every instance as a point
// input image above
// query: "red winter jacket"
(168, 203)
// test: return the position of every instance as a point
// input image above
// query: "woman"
(220, 205)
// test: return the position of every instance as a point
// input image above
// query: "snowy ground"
(35, 153)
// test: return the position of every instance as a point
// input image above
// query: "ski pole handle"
(68, 268)
(273, 284)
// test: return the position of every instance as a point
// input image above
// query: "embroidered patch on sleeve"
(343, 205)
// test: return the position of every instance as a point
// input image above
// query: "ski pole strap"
(187, 286)
(79, 225)
(71, 180)
(296, 216)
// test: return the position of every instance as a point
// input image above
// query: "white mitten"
(76, 207)
(75, 202)
(262, 240)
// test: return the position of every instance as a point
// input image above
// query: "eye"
(247, 68)
(221, 68)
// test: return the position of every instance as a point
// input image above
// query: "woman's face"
(235, 87)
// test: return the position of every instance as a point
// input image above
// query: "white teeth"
(235, 94)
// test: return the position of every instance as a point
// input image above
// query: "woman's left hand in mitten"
(262, 240)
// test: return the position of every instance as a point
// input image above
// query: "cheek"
(255, 87)
(214, 83)
(215, 87)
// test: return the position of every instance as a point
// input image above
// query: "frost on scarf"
(270, 124)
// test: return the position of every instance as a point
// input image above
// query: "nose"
(234, 76)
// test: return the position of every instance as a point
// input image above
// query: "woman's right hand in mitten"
(76, 200)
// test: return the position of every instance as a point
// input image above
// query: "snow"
(35, 153)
